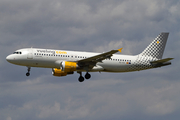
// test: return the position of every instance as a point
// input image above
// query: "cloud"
(47, 111)
(94, 99)
(8, 118)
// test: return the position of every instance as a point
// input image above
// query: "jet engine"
(65, 69)
(59, 72)
(68, 66)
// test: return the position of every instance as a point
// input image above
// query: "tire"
(27, 74)
(81, 79)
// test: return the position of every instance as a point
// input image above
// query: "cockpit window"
(17, 53)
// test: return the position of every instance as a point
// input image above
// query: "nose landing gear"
(28, 73)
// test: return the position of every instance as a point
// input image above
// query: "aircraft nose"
(9, 58)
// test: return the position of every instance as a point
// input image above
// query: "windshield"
(17, 52)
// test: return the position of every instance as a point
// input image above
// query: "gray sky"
(97, 26)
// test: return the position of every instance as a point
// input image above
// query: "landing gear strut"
(28, 73)
(81, 78)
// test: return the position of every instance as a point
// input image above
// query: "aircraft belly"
(38, 63)
(115, 67)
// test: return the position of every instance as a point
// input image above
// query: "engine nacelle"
(58, 72)
(68, 66)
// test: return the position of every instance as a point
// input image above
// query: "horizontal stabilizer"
(161, 61)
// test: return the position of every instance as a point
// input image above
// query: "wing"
(91, 61)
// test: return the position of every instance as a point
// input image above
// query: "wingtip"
(120, 50)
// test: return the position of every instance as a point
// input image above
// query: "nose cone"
(9, 58)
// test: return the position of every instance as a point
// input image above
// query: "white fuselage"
(49, 58)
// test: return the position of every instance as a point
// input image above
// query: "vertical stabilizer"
(156, 48)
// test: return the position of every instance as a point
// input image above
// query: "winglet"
(120, 49)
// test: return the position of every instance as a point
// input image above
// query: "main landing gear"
(28, 73)
(87, 76)
(81, 78)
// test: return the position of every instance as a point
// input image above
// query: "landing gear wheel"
(27, 74)
(87, 76)
(81, 79)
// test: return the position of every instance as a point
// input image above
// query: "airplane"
(64, 62)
